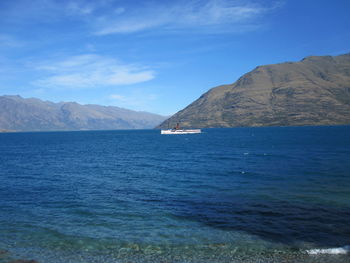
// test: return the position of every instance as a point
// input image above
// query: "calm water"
(226, 195)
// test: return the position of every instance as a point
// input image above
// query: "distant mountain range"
(314, 91)
(19, 114)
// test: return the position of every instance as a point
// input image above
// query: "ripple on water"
(119, 196)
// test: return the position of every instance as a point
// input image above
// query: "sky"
(156, 56)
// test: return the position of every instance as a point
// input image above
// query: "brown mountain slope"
(314, 91)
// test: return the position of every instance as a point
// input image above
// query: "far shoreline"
(158, 129)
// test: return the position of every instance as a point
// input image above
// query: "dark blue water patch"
(283, 185)
(277, 221)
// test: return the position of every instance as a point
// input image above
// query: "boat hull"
(187, 131)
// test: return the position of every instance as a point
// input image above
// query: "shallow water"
(226, 195)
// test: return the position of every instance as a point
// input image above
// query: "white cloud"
(137, 100)
(91, 70)
(117, 97)
(9, 41)
(79, 8)
(207, 15)
(112, 17)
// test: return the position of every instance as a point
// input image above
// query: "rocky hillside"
(17, 113)
(314, 91)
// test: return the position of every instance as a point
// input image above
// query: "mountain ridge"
(32, 114)
(313, 91)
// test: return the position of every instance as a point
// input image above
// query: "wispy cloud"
(80, 7)
(90, 70)
(9, 41)
(137, 100)
(49, 11)
(206, 15)
(106, 17)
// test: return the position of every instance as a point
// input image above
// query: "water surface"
(226, 195)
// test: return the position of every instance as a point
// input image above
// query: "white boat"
(178, 130)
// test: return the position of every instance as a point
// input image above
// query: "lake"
(273, 194)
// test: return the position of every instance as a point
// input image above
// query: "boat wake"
(330, 251)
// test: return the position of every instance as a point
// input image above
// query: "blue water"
(226, 195)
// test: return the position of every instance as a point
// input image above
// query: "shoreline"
(214, 253)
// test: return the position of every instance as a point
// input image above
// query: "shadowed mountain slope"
(17, 113)
(314, 91)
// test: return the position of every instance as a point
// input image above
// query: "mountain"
(17, 113)
(314, 91)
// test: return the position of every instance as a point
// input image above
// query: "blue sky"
(156, 56)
